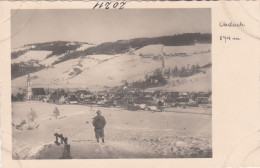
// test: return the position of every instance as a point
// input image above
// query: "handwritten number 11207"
(108, 5)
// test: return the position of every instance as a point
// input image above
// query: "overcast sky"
(97, 26)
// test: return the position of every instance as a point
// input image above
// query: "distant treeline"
(122, 46)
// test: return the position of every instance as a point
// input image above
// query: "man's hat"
(98, 112)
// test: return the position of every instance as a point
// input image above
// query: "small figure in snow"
(31, 115)
(99, 123)
(56, 112)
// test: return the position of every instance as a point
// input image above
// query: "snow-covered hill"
(75, 65)
(97, 72)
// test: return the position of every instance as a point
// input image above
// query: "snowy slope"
(47, 76)
(92, 72)
(159, 50)
(32, 55)
(188, 50)
(84, 47)
(23, 48)
(98, 72)
(152, 50)
(195, 83)
(111, 72)
(145, 129)
(200, 59)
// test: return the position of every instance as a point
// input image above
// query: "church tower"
(28, 88)
(163, 65)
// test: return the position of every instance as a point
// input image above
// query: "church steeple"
(28, 88)
(28, 80)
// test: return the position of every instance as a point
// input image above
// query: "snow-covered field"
(128, 134)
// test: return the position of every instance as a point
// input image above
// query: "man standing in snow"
(99, 123)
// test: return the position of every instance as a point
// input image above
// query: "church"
(34, 93)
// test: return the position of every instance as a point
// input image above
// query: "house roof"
(38, 91)
(55, 97)
(83, 91)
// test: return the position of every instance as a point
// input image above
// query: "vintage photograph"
(111, 84)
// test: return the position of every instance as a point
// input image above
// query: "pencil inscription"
(110, 5)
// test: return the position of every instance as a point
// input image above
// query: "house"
(203, 94)
(192, 103)
(183, 94)
(143, 100)
(62, 99)
(182, 100)
(72, 98)
(203, 100)
(83, 94)
(170, 102)
(54, 98)
(38, 94)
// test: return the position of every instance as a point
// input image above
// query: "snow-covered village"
(152, 93)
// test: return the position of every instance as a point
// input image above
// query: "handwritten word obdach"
(110, 5)
(231, 24)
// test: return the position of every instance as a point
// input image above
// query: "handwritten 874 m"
(228, 38)
(110, 5)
